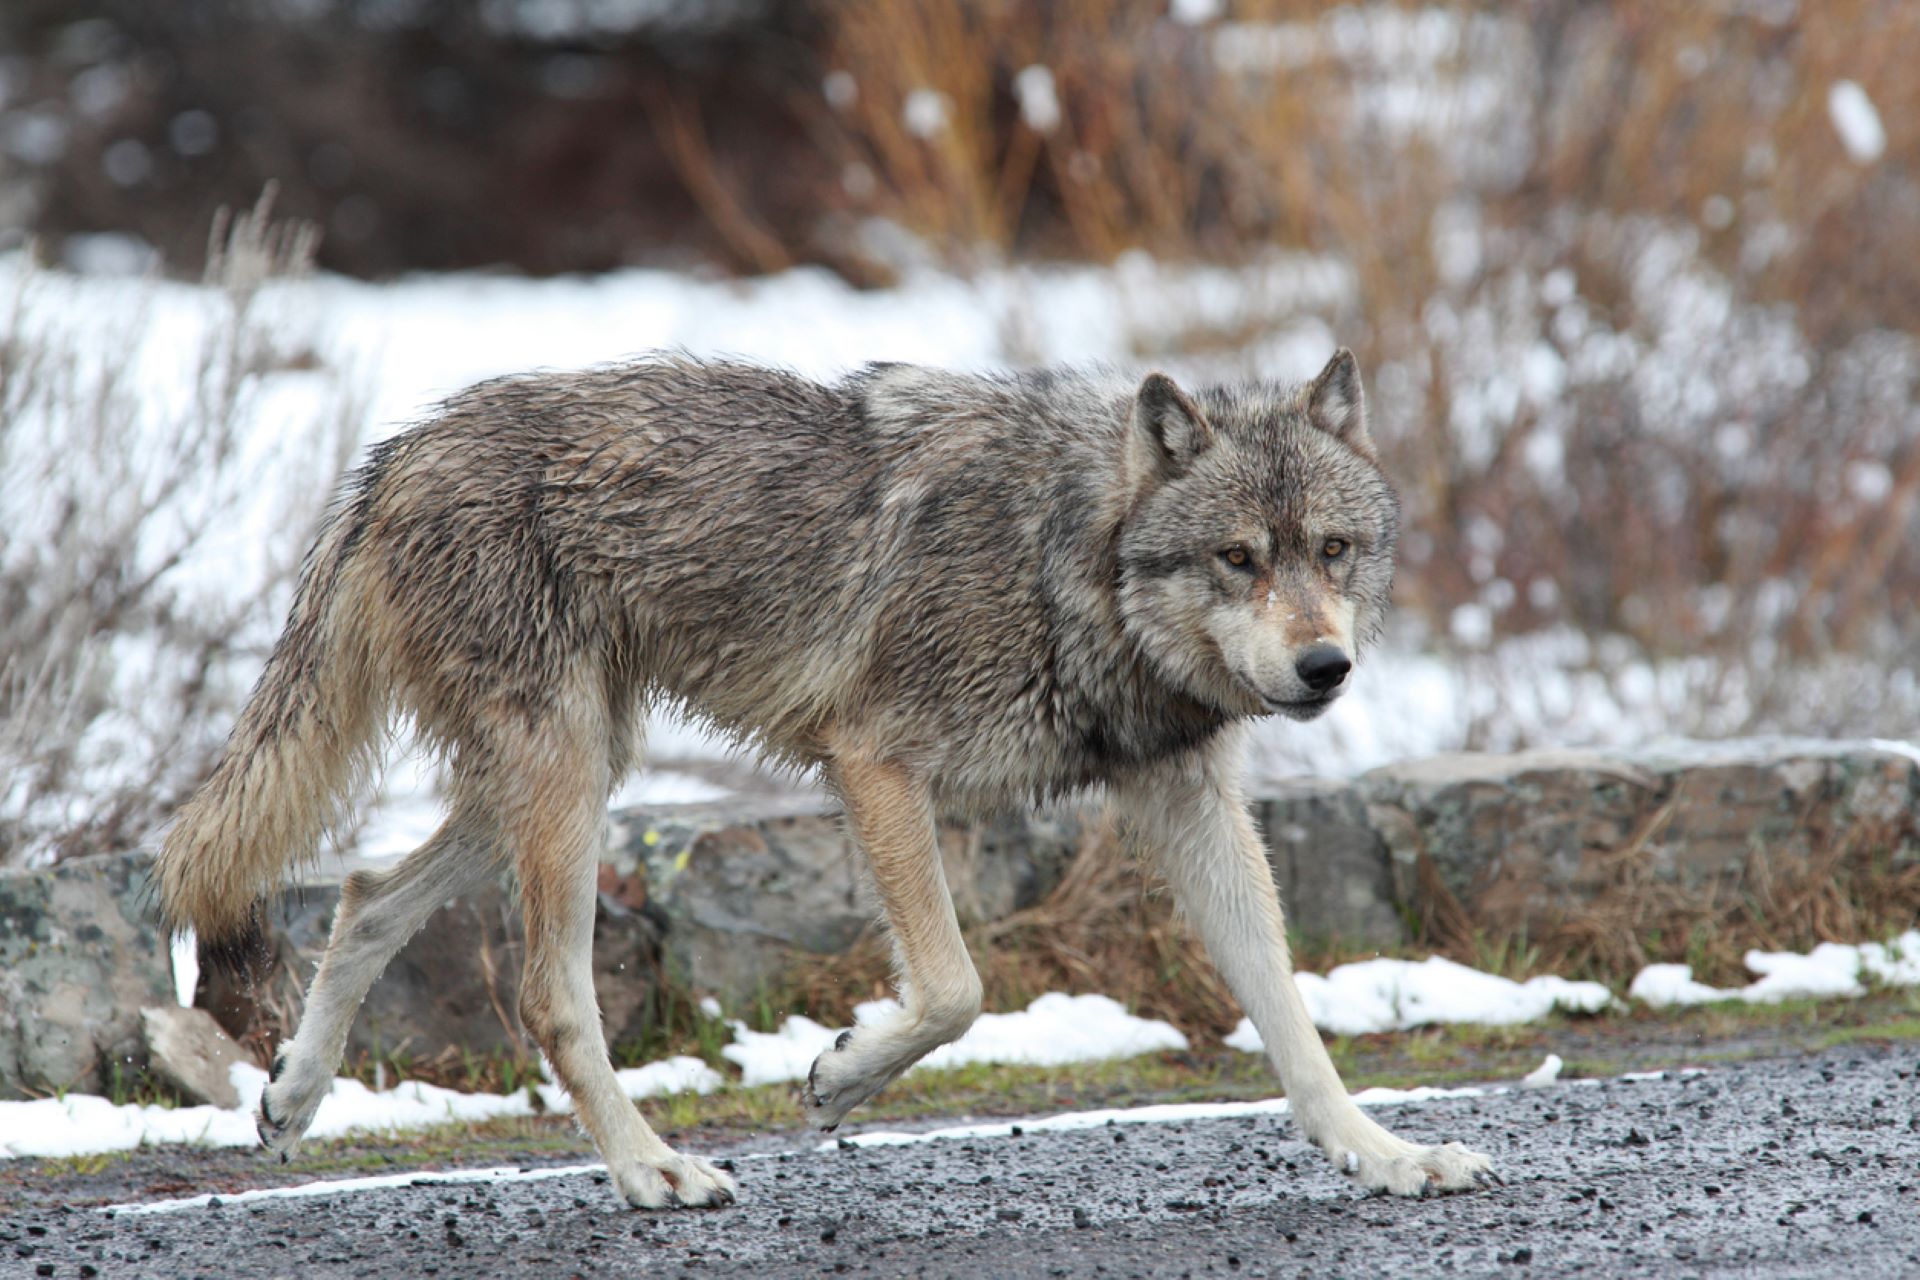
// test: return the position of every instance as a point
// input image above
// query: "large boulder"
(454, 990)
(742, 890)
(1523, 841)
(1331, 866)
(80, 956)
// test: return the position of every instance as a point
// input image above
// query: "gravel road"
(1799, 1167)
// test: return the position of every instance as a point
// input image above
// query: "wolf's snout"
(1322, 667)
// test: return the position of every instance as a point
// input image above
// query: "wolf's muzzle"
(1322, 667)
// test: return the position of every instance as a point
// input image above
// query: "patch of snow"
(1053, 1030)
(1392, 995)
(82, 1124)
(1039, 103)
(1472, 625)
(769, 1057)
(1057, 1029)
(841, 89)
(1831, 969)
(1666, 985)
(1195, 12)
(1856, 121)
(679, 1074)
(184, 950)
(1543, 1075)
(925, 112)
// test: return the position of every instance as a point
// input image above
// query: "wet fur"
(940, 591)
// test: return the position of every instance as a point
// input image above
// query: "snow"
(1039, 103)
(1195, 12)
(415, 341)
(1830, 970)
(184, 952)
(1054, 1030)
(1856, 121)
(1548, 1072)
(768, 1057)
(81, 1124)
(1392, 995)
(925, 112)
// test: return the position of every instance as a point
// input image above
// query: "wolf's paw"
(674, 1181)
(288, 1104)
(838, 1081)
(1404, 1169)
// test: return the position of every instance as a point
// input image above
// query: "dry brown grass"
(1640, 155)
(1107, 928)
(1851, 890)
(1103, 928)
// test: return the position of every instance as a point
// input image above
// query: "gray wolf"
(943, 592)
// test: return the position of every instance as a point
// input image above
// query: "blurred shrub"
(1640, 326)
(134, 586)
(1638, 316)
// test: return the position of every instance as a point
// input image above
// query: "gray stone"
(454, 989)
(79, 959)
(1518, 842)
(742, 891)
(1331, 866)
(188, 1050)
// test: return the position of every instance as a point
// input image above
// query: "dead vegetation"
(1854, 888)
(131, 594)
(1640, 326)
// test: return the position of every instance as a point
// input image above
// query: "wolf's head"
(1259, 551)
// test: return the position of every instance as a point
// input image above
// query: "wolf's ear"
(1169, 431)
(1337, 405)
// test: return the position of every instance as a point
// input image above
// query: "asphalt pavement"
(1799, 1167)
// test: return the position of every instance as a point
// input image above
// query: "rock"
(1501, 833)
(722, 900)
(454, 989)
(743, 889)
(1331, 866)
(79, 958)
(1521, 842)
(188, 1050)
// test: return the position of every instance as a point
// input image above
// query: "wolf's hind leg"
(378, 912)
(554, 812)
(891, 814)
(1195, 822)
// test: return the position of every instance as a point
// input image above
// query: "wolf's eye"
(1237, 557)
(1334, 548)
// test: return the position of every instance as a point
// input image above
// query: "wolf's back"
(305, 732)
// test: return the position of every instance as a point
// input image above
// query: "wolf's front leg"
(1192, 817)
(890, 812)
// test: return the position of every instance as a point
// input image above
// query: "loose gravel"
(1796, 1167)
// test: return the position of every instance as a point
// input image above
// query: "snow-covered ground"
(1056, 1029)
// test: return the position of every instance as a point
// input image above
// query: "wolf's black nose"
(1322, 667)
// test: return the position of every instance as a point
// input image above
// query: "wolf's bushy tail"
(304, 736)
